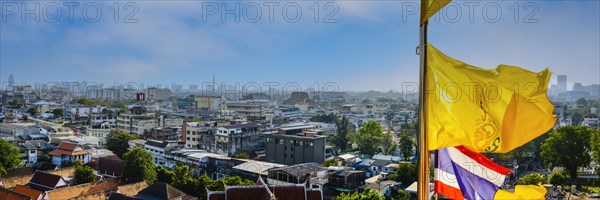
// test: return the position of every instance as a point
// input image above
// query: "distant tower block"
(140, 96)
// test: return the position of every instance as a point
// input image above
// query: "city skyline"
(367, 46)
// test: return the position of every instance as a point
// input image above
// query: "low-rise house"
(252, 169)
(23, 179)
(346, 181)
(161, 150)
(591, 120)
(261, 191)
(44, 181)
(296, 174)
(43, 147)
(109, 166)
(391, 168)
(378, 165)
(162, 133)
(69, 152)
(346, 159)
(387, 157)
(136, 143)
(29, 154)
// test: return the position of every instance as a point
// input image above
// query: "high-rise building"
(11, 80)
(562, 83)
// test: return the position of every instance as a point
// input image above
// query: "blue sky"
(368, 45)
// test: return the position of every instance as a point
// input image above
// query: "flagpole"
(423, 164)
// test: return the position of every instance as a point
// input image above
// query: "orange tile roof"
(60, 152)
(133, 188)
(67, 145)
(33, 193)
(7, 194)
(84, 189)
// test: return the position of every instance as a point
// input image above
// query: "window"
(281, 141)
(292, 142)
(188, 138)
(291, 155)
(193, 139)
(269, 140)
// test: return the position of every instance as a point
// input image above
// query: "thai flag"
(464, 174)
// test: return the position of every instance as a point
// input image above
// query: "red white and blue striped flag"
(464, 174)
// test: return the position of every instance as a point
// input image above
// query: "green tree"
(407, 173)
(557, 177)
(403, 195)
(388, 142)
(406, 146)
(84, 174)
(16, 102)
(9, 157)
(139, 166)
(32, 111)
(330, 162)
(216, 185)
(59, 112)
(581, 102)
(369, 138)
(69, 163)
(118, 141)
(326, 118)
(367, 194)
(84, 101)
(44, 158)
(568, 147)
(532, 179)
(242, 155)
(340, 140)
(164, 175)
(236, 180)
(595, 147)
(182, 179)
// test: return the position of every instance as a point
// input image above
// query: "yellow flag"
(430, 7)
(486, 110)
(529, 192)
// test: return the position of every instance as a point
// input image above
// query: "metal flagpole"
(423, 164)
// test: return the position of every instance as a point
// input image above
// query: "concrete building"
(9, 131)
(139, 120)
(154, 93)
(290, 112)
(243, 137)
(199, 135)
(294, 145)
(562, 83)
(210, 103)
(253, 109)
(161, 149)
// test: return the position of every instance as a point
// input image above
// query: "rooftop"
(302, 169)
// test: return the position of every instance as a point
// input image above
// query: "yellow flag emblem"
(430, 7)
(486, 110)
